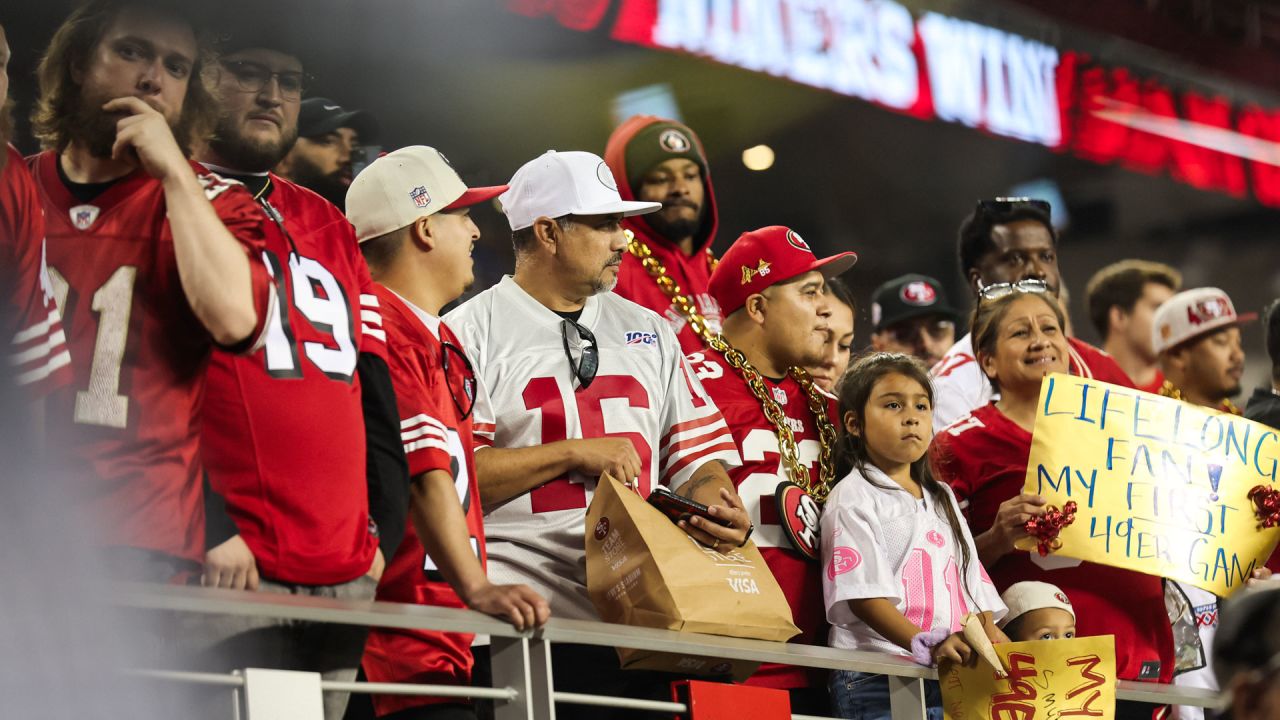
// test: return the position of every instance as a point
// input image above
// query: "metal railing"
(521, 661)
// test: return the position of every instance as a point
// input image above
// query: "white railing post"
(542, 680)
(906, 698)
(282, 695)
(513, 661)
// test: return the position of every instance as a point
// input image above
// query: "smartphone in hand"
(679, 508)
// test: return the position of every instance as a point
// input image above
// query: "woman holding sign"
(1019, 339)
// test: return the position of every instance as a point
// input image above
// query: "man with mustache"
(574, 382)
(1196, 335)
(301, 439)
(154, 261)
(658, 160)
(773, 290)
(37, 353)
(328, 139)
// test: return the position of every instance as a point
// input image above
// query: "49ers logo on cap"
(674, 141)
(918, 293)
(797, 242)
(1209, 309)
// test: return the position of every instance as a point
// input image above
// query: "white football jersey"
(528, 395)
(881, 542)
(959, 385)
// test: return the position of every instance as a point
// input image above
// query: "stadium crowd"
(239, 351)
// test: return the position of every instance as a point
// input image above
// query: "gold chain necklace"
(1170, 391)
(773, 412)
(683, 304)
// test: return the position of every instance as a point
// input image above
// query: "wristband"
(923, 643)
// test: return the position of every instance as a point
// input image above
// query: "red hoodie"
(691, 273)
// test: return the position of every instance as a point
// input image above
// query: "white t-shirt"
(528, 395)
(881, 542)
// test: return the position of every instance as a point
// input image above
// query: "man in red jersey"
(411, 213)
(771, 287)
(1121, 298)
(1006, 240)
(38, 352)
(284, 429)
(154, 260)
(659, 160)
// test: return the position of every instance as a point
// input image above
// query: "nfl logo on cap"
(420, 196)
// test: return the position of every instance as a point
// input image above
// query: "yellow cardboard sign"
(1161, 485)
(1048, 680)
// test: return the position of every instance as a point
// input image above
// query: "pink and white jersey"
(528, 395)
(880, 542)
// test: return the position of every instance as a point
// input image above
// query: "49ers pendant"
(799, 514)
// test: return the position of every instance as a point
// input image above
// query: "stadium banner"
(1160, 486)
(935, 67)
(1075, 677)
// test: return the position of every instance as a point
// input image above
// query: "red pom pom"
(1266, 505)
(1045, 528)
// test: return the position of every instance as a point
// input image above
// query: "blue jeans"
(864, 696)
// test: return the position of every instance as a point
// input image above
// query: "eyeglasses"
(585, 368)
(467, 378)
(1000, 289)
(1003, 205)
(252, 77)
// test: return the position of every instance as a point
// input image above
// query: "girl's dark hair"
(854, 390)
(989, 314)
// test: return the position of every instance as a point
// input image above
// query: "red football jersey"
(434, 388)
(38, 352)
(983, 456)
(283, 434)
(756, 480)
(129, 423)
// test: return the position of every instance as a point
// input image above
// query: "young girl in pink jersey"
(901, 571)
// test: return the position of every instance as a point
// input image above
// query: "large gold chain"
(1170, 390)
(797, 473)
(658, 271)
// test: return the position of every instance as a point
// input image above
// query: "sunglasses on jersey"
(588, 363)
(1003, 205)
(1001, 289)
(463, 383)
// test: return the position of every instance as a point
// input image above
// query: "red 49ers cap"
(765, 257)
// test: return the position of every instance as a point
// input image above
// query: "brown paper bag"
(644, 570)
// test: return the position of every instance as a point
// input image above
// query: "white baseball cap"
(566, 183)
(404, 185)
(1191, 313)
(1023, 597)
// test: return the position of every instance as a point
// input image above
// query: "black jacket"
(1264, 406)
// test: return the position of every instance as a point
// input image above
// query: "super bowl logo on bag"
(674, 141)
(420, 197)
(918, 293)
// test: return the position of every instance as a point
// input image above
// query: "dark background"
(493, 89)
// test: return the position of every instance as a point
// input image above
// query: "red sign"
(944, 68)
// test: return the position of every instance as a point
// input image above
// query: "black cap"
(319, 116)
(907, 297)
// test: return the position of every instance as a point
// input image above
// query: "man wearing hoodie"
(658, 160)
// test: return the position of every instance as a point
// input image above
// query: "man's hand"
(379, 565)
(1012, 517)
(518, 604)
(145, 133)
(616, 456)
(715, 536)
(230, 565)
